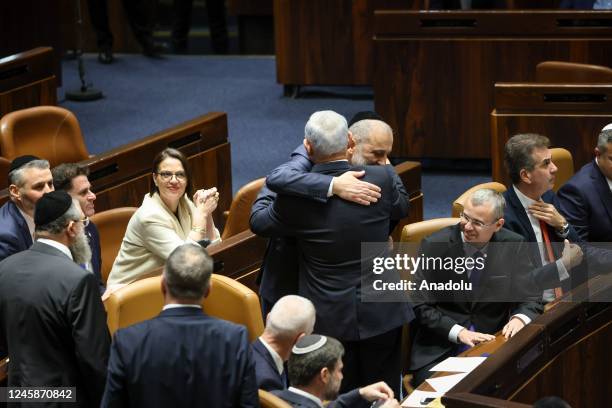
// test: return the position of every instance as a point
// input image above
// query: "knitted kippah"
(308, 344)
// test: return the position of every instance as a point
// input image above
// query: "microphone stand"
(84, 93)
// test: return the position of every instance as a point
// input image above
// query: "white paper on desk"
(444, 384)
(459, 364)
(414, 399)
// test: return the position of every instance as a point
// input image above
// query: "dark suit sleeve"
(572, 235)
(115, 392)
(8, 245)
(265, 220)
(400, 201)
(573, 208)
(351, 399)
(528, 295)
(90, 335)
(294, 178)
(248, 384)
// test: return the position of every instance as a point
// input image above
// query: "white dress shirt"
(29, 222)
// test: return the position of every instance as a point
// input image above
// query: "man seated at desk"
(502, 295)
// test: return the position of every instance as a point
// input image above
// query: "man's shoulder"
(9, 216)
(443, 235)
(506, 235)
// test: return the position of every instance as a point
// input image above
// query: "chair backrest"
(571, 72)
(564, 161)
(142, 300)
(269, 400)
(111, 226)
(50, 132)
(459, 201)
(415, 232)
(240, 209)
(5, 165)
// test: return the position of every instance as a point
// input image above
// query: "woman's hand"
(206, 200)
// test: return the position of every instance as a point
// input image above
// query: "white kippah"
(308, 344)
(607, 127)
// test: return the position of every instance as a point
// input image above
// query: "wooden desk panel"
(571, 116)
(27, 79)
(326, 42)
(435, 71)
(410, 173)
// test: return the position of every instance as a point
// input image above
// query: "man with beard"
(371, 143)
(52, 321)
(29, 178)
(315, 372)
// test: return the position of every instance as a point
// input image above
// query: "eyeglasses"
(476, 223)
(167, 175)
(84, 220)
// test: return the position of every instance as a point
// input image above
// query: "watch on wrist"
(564, 228)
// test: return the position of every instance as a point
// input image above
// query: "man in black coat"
(52, 321)
(329, 237)
(183, 357)
(502, 294)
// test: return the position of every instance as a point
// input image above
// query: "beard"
(80, 250)
(357, 158)
(331, 390)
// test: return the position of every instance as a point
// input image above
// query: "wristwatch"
(564, 229)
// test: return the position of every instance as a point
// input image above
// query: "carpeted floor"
(144, 96)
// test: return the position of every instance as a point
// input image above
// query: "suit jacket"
(279, 272)
(53, 323)
(181, 358)
(577, 4)
(14, 233)
(329, 236)
(151, 235)
(505, 289)
(516, 220)
(586, 201)
(93, 236)
(351, 399)
(268, 378)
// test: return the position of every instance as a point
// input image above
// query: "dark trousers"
(216, 22)
(373, 359)
(140, 15)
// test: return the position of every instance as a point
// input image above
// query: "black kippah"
(21, 161)
(51, 206)
(363, 115)
(308, 344)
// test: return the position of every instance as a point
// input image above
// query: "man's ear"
(208, 289)
(308, 147)
(298, 337)
(324, 375)
(525, 176)
(597, 152)
(163, 285)
(351, 141)
(499, 224)
(14, 192)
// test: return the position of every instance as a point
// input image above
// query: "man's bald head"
(373, 142)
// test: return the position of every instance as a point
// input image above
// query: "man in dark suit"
(315, 371)
(290, 318)
(29, 178)
(72, 178)
(329, 237)
(501, 293)
(373, 141)
(586, 199)
(52, 321)
(182, 358)
(532, 212)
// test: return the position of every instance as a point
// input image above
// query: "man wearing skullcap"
(29, 178)
(52, 321)
(315, 374)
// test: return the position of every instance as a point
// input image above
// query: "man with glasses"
(496, 278)
(532, 212)
(72, 178)
(52, 321)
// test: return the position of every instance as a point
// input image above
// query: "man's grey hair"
(291, 316)
(187, 272)
(489, 196)
(303, 368)
(327, 133)
(73, 213)
(363, 129)
(604, 138)
(518, 153)
(17, 178)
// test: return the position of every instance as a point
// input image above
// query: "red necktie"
(549, 252)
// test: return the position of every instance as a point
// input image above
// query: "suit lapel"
(261, 349)
(23, 225)
(603, 190)
(521, 215)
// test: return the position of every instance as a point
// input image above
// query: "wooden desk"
(255, 25)
(27, 79)
(571, 116)
(326, 42)
(435, 70)
(121, 177)
(410, 173)
(564, 352)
